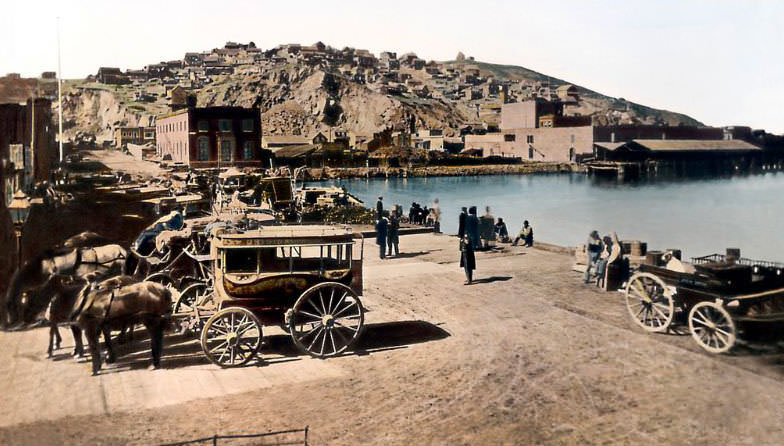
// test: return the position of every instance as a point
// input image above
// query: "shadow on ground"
(183, 350)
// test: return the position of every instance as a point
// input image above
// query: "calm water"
(698, 216)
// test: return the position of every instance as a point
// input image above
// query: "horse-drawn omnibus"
(305, 279)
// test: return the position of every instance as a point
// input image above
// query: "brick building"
(211, 136)
(538, 130)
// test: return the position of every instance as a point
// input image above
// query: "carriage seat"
(673, 264)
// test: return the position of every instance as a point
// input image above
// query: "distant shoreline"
(334, 173)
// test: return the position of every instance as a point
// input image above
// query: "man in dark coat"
(472, 227)
(467, 258)
(461, 223)
(382, 230)
(379, 207)
(392, 234)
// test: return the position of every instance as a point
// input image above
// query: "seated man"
(526, 235)
(500, 229)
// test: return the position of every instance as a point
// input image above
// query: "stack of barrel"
(634, 248)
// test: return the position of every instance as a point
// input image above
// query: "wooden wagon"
(715, 294)
(305, 279)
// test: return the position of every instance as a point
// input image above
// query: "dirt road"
(529, 355)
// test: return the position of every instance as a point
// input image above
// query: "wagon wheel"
(649, 303)
(326, 320)
(191, 298)
(712, 327)
(196, 294)
(231, 337)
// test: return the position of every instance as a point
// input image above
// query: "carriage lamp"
(19, 208)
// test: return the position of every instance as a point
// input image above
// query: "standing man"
(379, 207)
(436, 210)
(392, 233)
(382, 230)
(467, 258)
(461, 224)
(472, 227)
(593, 248)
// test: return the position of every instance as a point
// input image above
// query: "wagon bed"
(713, 292)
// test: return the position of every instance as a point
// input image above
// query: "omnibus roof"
(286, 236)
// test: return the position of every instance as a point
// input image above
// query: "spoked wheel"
(197, 294)
(231, 337)
(649, 303)
(712, 327)
(326, 320)
(192, 298)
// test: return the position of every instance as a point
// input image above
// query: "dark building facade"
(27, 144)
(211, 137)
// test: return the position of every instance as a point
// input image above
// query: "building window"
(225, 150)
(529, 139)
(224, 125)
(247, 150)
(247, 125)
(203, 153)
(530, 153)
(204, 126)
(509, 138)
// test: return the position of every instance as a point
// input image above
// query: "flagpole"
(59, 92)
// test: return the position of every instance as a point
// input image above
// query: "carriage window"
(242, 260)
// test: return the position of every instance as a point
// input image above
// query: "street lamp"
(20, 210)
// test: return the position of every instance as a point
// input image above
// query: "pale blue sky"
(721, 62)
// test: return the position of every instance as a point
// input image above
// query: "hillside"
(302, 89)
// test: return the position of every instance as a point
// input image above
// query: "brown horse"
(60, 297)
(116, 305)
(101, 261)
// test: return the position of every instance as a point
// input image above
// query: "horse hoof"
(153, 367)
(95, 373)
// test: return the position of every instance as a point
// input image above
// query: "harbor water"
(698, 216)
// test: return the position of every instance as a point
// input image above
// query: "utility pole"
(59, 93)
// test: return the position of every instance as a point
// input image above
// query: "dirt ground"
(528, 355)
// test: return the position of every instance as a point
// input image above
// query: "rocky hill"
(345, 89)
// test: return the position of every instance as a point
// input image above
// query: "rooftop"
(694, 145)
(287, 235)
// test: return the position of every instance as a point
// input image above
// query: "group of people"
(477, 232)
(599, 251)
(387, 229)
(422, 215)
(474, 232)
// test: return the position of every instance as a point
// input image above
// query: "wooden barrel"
(654, 258)
(637, 248)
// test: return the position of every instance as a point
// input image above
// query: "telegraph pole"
(59, 93)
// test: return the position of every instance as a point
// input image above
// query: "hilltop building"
(210, 136)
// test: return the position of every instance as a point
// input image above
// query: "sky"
(719, 61)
